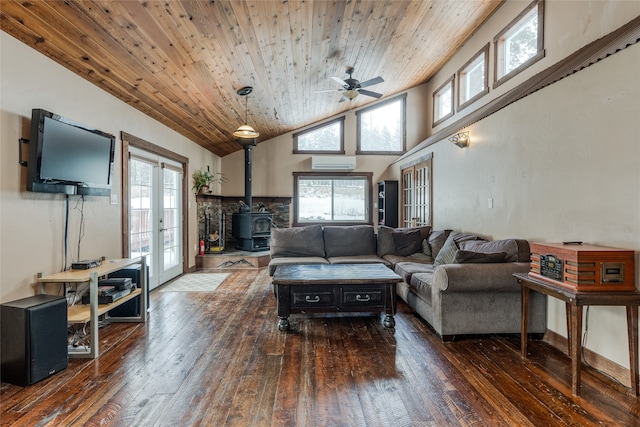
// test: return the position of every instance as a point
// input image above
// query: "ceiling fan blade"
(325, 91)
(340, 81)
(342, 99)
(372, 82)
(369, 93)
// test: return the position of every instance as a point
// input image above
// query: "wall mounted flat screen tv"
(67, 157)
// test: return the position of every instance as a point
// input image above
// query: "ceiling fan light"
(350, 94)
(245, 131)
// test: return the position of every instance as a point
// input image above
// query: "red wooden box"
(583, 267)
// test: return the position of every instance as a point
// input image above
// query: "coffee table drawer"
(359, 296)
(308, 298)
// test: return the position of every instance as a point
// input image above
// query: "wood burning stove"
(251, 230)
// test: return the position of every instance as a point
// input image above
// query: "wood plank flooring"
(218, 359)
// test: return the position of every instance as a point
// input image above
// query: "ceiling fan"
(352, 87)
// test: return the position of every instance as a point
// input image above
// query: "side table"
(574, 302)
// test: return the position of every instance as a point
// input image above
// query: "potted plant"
(202, 179)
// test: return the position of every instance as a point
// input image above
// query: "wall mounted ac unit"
(343, 163)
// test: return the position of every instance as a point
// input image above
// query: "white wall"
(561, 164)
(32, 224)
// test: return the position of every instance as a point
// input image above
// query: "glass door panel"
(155, 216)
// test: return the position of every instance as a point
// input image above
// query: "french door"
(155, 214)
(417, 194)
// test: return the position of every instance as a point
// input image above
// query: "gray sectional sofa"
(460, 283)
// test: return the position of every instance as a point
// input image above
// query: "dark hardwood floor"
(218, 359)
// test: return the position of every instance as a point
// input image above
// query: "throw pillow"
(406, 242)
(437, 239)
(426, 249)
(385, 241)
(448, 252)
(469, 257)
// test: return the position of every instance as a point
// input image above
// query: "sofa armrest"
(478, 277)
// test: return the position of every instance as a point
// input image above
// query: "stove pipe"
(248, 148)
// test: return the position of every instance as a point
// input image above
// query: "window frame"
(296, 135)
(403, 106)
(368, 176)
(484, 53)
(437, 93)
(499, 46)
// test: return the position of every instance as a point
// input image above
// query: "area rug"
(196, 282)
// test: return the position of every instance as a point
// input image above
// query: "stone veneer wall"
(214, 206)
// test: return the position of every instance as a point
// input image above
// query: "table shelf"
(89, 313)
(81, 313)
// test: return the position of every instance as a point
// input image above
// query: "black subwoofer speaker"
(33, 338)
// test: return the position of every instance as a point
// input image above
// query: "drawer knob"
(363, 298)
(314, 299)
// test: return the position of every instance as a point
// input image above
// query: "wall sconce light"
(461, 139)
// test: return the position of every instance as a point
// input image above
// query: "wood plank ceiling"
(181, 62)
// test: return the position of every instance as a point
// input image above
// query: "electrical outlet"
(195, 247)
(114, 199)
(490, 203)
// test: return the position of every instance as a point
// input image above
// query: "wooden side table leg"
(524, 292)
(576, 345)
(568, 315)
(632, 329)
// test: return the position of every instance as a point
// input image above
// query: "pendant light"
(245, 131)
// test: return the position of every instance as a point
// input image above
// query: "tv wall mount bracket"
(20, 142)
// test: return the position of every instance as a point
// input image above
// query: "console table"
(89, 313)
(574, 302)
(335, 288)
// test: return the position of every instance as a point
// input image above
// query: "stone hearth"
(233, 258)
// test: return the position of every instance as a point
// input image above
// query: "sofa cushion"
(406, 242)
(297, 241)
(469, 257)
(349, 240)
(419, 258)
(407, 269)
(515, 249)
(421, 284)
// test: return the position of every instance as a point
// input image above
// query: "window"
(332, 198)
(381, 128)
(416, 193)
(473, 78)
(324, 138)
(519, 44)
(443, 102)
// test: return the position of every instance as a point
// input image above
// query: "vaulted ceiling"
(181, 62)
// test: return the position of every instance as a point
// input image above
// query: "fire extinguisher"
(201, 246)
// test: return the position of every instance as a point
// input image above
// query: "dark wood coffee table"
(325, 288)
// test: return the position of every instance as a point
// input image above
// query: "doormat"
(196, 282)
